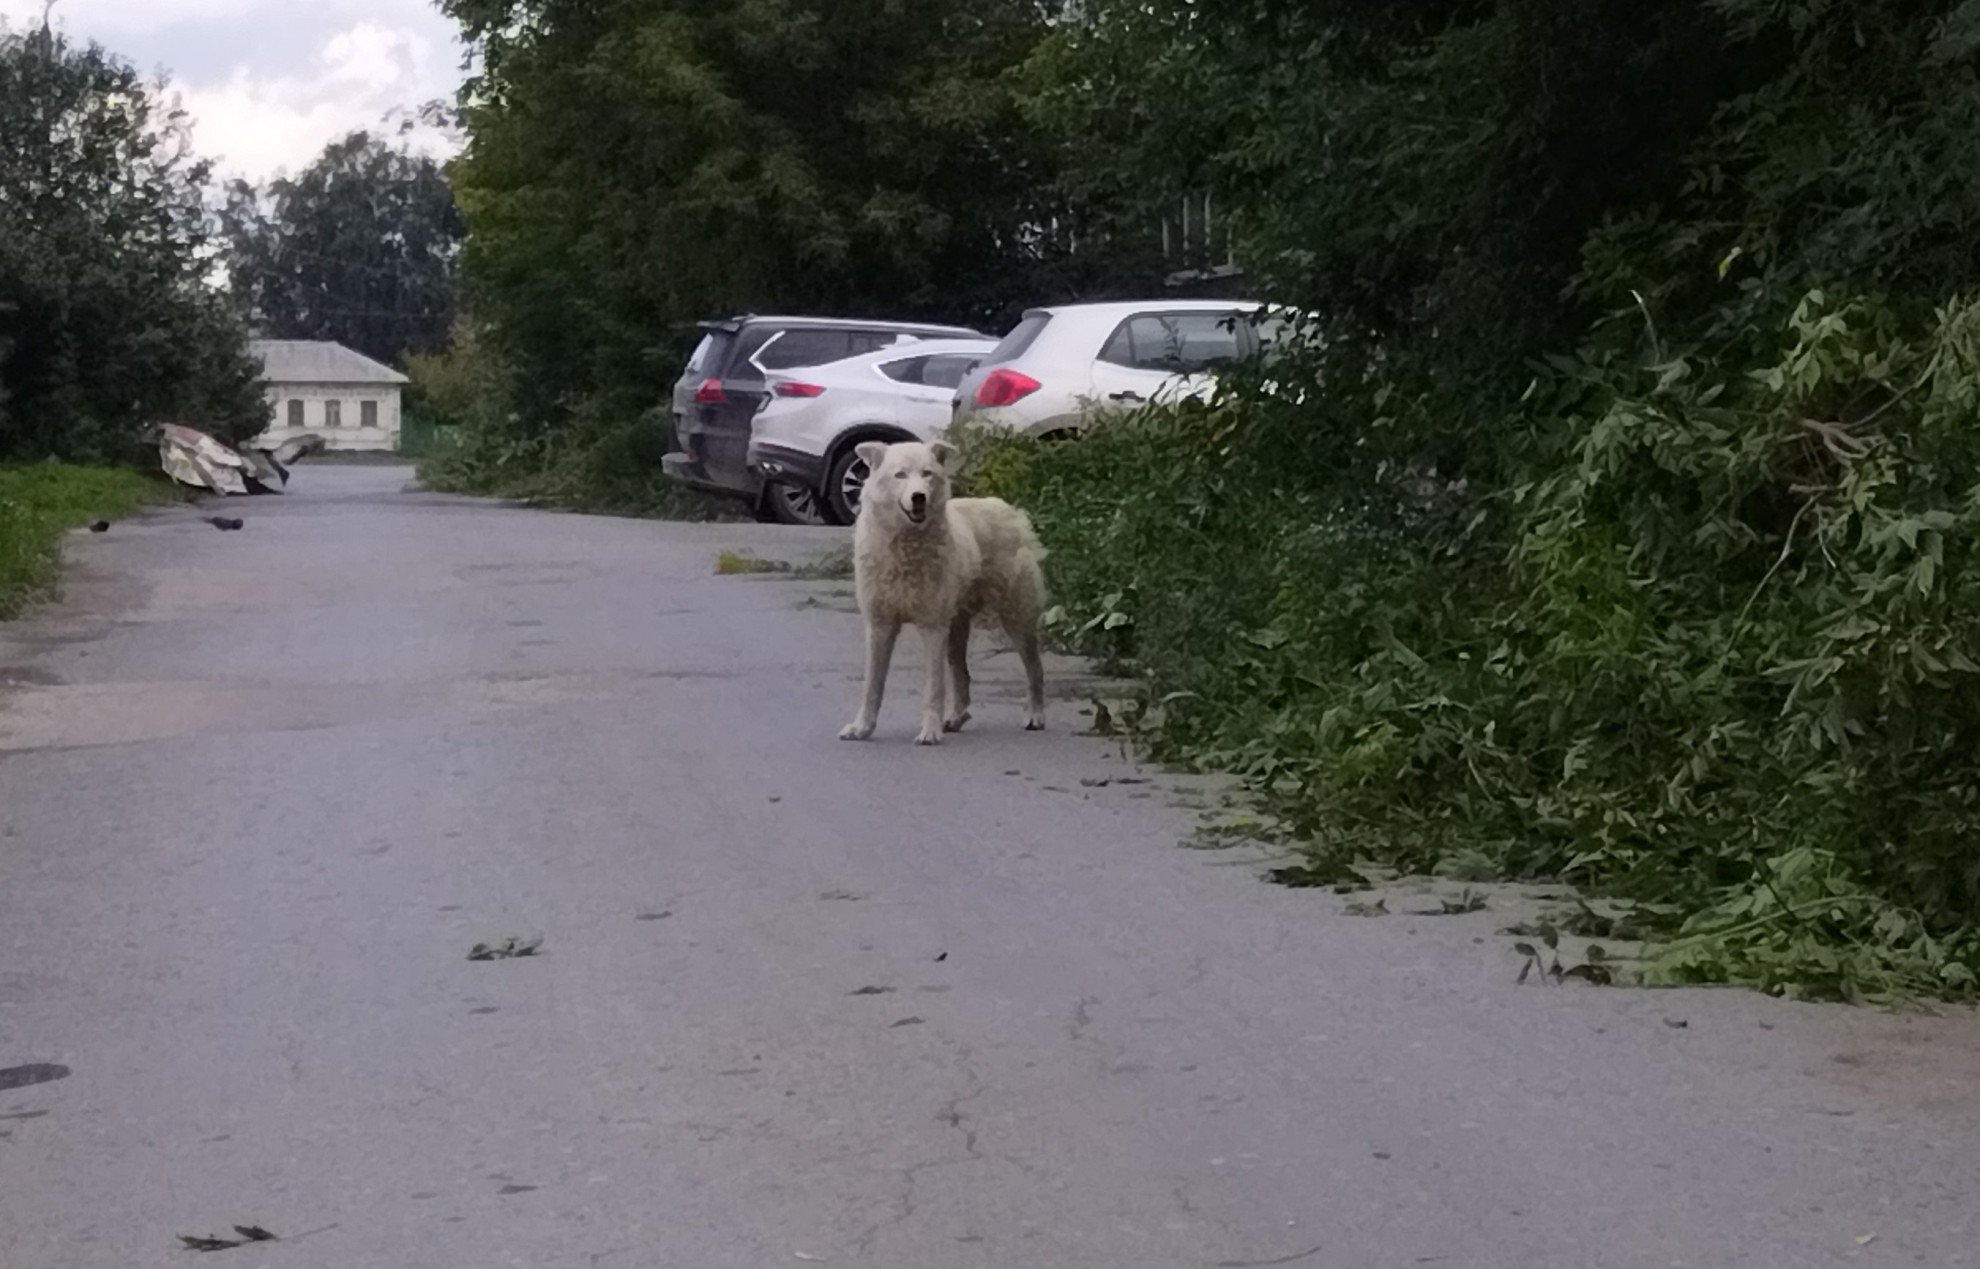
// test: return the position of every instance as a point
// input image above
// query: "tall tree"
(1429, 168)
(635, 165)
(107, 321)
(361, 248)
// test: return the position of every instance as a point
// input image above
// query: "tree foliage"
(360, 248)
(634, 166)
(107, 323)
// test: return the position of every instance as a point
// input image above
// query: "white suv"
(803, 437)
(1059, 365)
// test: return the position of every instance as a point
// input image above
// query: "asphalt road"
(799, 1001)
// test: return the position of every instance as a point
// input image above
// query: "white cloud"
(111, 20)
(259, 124)
(269, 83)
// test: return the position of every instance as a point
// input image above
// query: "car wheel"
(843, 483)
(793, 504)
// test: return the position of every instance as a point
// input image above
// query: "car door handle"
(1125, 396)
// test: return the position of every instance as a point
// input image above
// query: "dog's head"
(909, 480)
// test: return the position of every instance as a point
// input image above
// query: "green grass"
(832, 566)
(732, 563)
(40, 502)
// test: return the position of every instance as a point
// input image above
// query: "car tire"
(842, 482)
(794, 505)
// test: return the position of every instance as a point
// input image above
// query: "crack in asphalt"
(952, 1117)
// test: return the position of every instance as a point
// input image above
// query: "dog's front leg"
(934, 682)
(880, 636)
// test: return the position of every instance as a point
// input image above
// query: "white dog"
(923, 559)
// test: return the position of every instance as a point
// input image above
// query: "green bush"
(40, 502)
(603, 456)
(1706, 643)
(590, 464)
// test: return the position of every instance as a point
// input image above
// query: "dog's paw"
(928, 736)
(956, 724)
(856, 731)
(1034, 722)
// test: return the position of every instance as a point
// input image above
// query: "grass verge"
(832, 566)
(40, 502)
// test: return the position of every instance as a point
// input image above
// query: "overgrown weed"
(1697, 631)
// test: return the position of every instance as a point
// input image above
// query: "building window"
(367, 414)
(333, 414)
(295, 413)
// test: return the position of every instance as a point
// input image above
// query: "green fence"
(422, 438)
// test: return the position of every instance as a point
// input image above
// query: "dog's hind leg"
(880, 637)
(958, 674)
(934, 646)
(1026, 639)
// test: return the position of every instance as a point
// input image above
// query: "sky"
(269, 83)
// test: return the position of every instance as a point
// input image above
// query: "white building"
(345, 397)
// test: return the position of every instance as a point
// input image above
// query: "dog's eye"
(900, 475)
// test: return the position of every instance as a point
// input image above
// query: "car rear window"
(906, 370)
(934, 370)
(946, 370)
(793, 348)
(1021, 338)
(710, 353)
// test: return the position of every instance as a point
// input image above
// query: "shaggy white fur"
(924, 559)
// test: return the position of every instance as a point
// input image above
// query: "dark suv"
(716, 397)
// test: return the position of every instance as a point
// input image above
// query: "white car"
(1060, 365)
(803, 437)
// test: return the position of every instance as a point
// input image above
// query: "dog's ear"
(872, 453)
(945, 454)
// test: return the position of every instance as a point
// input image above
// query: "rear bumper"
(1018, 419)
(690, 471)
(770, 461)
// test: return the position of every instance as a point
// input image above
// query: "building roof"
(318, 361)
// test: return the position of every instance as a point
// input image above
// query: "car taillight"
(1003, 387)
(798, 390)
(710, 393)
